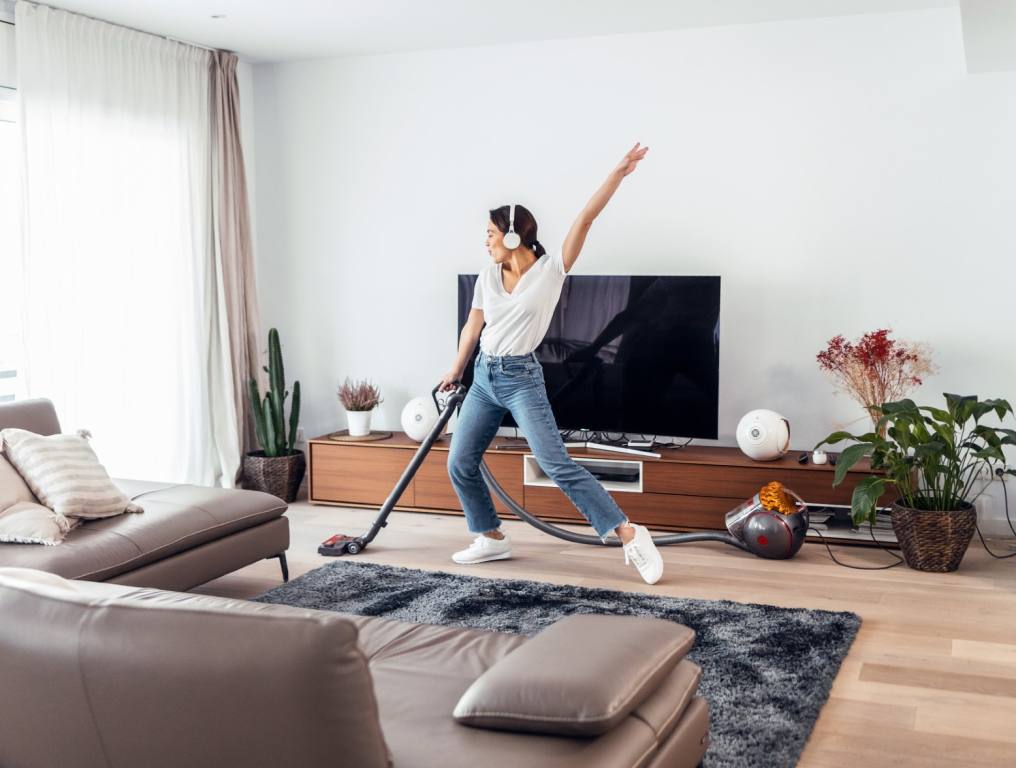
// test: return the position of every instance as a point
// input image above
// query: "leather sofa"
(187, 535)
(105, 675)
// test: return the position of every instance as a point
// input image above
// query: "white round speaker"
(763, 435)
(419, 417)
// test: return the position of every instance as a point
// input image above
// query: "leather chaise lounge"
(101, 675)
(187, 535)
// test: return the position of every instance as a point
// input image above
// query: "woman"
(515, 297)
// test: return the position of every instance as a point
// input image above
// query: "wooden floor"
(930, 680)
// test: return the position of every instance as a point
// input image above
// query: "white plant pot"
(359, 423)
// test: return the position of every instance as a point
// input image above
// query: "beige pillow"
(12, 486)
(30, 523)
(65, 474)
(559, 682)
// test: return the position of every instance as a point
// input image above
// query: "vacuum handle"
(459, 389)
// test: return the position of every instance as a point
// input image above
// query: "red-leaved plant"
(876, 369)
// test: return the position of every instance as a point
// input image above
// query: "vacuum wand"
(340, 544)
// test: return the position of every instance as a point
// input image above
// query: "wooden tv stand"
(686, 489)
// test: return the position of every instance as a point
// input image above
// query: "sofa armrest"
(579, 677)
(172, 679)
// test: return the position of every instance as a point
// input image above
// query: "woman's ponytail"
(537, 248)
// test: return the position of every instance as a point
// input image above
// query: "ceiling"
(268, 30)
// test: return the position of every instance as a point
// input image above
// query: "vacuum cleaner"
(771, 524)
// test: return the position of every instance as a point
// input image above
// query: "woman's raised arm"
(577, 234)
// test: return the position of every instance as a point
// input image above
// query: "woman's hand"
(449, 380)
(630, 160)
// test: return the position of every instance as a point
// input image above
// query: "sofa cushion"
(36, 414)
(559, 682)
(415, 706)
(420, 671)
(390, 643)
(176, 518)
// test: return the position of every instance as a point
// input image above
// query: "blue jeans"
(515, 383)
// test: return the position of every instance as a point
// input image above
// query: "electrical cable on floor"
(1005, 495)
(1000, 474)
(899, 560)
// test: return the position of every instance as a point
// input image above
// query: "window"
(11, 378)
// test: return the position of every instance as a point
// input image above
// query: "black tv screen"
(637, 354)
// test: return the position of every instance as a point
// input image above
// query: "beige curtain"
(123, 319)
(234, 244)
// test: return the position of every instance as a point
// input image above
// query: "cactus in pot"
(269, 414)
(277, 468)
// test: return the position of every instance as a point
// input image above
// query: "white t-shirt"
(516, 322)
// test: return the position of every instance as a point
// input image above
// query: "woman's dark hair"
(525, 226)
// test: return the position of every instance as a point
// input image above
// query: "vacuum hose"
(581, 538)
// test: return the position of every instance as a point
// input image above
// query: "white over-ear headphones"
(511, 238)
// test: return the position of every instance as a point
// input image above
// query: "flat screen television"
(637, 354)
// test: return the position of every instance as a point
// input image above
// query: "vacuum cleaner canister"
(772, 523)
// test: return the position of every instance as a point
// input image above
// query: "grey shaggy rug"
(766, 671)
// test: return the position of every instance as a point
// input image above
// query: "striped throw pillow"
(65, 474)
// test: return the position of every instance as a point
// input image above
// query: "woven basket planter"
(278, 475)
(933, 541)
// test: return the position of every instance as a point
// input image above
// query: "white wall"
(839, 174)
(989, 35)
(8, 54)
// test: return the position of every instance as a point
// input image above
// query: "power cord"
(567, 435)
(899, 560)
(1005, 495)
(1000, 474)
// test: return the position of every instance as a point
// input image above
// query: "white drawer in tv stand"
(533, 474)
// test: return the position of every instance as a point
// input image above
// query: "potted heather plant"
(359, 398)
(876, 368)
(930, 461)
(277, 468)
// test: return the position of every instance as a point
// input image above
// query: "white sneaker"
(484, 549)
(642, 551)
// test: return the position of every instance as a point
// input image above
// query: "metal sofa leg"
(282, 562)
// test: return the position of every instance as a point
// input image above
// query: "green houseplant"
(930, 459)
(277, 468)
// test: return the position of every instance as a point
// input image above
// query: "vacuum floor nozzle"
(340, 544)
